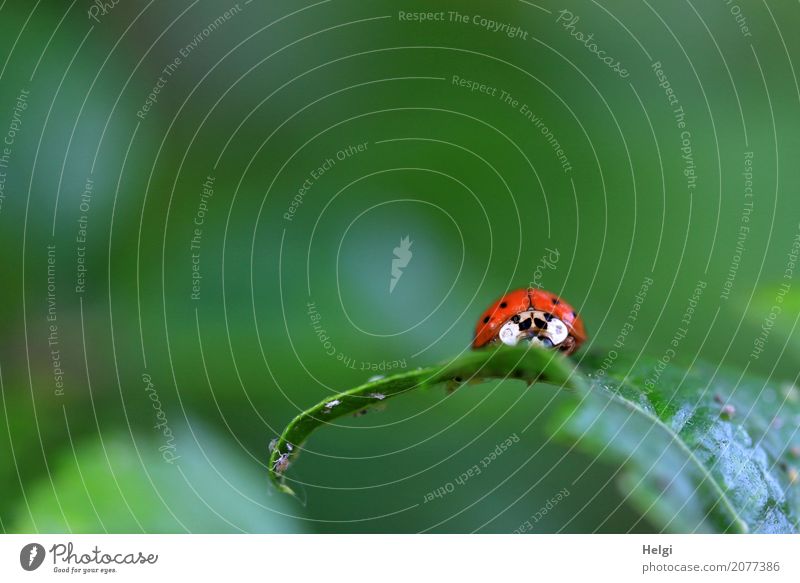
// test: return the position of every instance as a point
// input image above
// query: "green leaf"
(701, 450)
(123, 483)
(527, 363)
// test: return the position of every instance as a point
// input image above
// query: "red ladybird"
(534, 315)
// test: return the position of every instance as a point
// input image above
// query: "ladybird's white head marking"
(536, 327)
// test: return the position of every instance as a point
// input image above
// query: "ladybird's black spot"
(541, 324)
(548, 316)
(555, 301)
(525, 324)
(503, 305)
(515, 319)
(574, 314)
(486, 320)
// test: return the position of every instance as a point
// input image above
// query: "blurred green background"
(132, 405)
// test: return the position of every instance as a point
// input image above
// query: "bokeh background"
(166, 309)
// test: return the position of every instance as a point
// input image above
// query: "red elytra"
(522, 300)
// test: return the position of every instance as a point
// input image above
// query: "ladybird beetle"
(534, 315)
